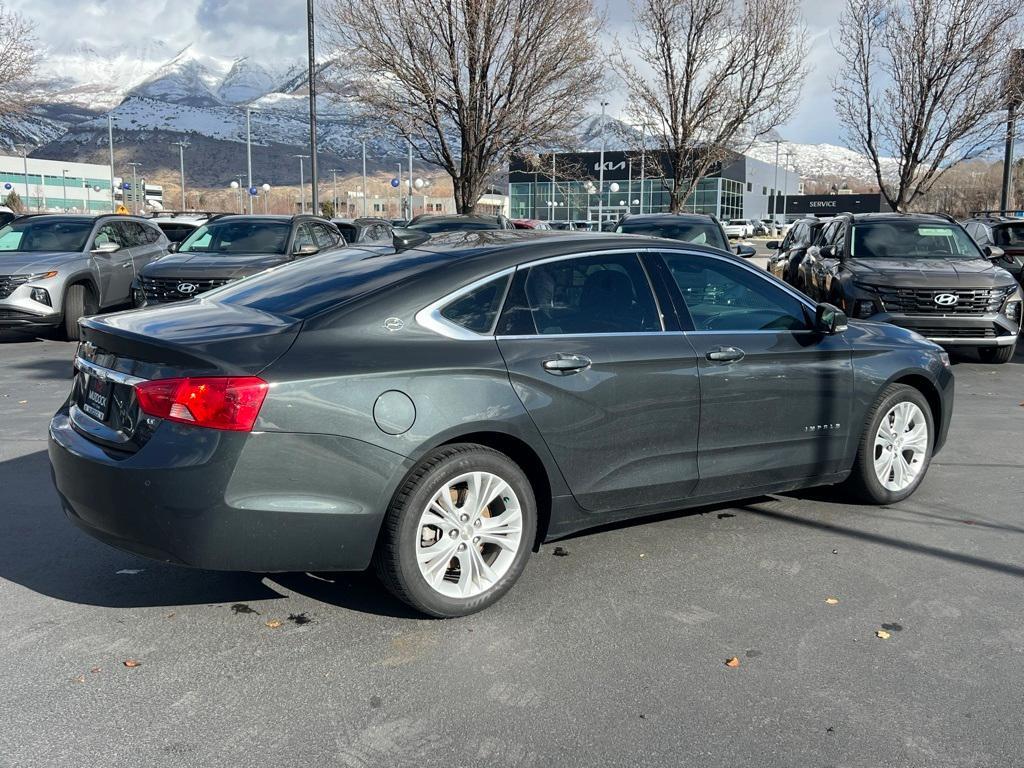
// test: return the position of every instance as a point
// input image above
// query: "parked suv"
(54, 269)
(432, 223)
(697, 228)
(365, 230)
(920, 271)
(178, 225)
(231, 247)
(739, 228)
(787, 261)
(989, 228)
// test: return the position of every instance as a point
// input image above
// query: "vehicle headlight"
(41, 295)
(944, 358)
(1012, 306)
(861, 307)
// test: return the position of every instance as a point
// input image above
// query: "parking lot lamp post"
(248, 150)
(600, 172)
(785, 185)
(266, 195)
(629, 188)
(410, 177)
(64, 185)
(135, 186)
(775, 189)
(334, 199)
(643, 162)
(398, 191)
(314, 173)
(302, 184)
(110, 142)
(24, 157)
(181, 159)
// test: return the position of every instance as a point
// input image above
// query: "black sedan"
(441, 410)
(230, 247)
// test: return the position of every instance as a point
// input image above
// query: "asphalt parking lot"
(611, 654)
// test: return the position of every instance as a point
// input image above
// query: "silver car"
(55, 269)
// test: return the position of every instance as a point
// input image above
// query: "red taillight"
(230, 402)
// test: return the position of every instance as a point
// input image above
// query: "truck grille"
(956, 333)
(161, 289)
(9, 282)
(921, 301)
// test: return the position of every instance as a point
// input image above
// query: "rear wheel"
(78, 302)
(457, 536)
(996, 354)
(895, 448)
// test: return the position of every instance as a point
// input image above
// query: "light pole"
(775, 189)
(266, 194)
(24, 158)
(110, 141)
(629, 188)
(135, 187)
(248, 150)
(398, 189)
(334, 173)
(600, 177)
(302, 184)
(311, 40)
(364, 177)
(181, 145)
(64, 184)
(785, 184)
(410, 176)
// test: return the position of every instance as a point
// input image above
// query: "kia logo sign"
(187, 288)
(946, 299)
(610, 166)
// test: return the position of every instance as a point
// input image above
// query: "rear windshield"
(703, 233)
(301, 289)
(896, 239)
(38, 235)
(1009, 235)
(227, 237)
(454, 225)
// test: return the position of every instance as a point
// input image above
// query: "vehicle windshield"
(1011, 235)
(227, 237)
(703, 233)
(38, 235)
(909, 239)
(453, 225)
(738, 221)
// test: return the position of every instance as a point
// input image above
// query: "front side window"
(325, 238)
(909, 239)
(303, 238)
(585, 295)
(238, 237)
(726, 297)
(477, 310)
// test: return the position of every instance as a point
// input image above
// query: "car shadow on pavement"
(41, 550)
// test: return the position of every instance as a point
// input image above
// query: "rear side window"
(586, 295)
(476, 311)
(325, 238)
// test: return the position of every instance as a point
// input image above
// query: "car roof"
(83, 216)
(668, 217)
(892, 215)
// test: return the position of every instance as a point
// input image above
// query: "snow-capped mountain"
(822, 161)
(246, 81)
(189, 78)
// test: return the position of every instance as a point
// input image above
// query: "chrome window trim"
(106, 374)
(430, 316)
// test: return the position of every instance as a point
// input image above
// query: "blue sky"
(272, 32)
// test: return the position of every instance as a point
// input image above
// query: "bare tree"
(470, 82)
(923, 81)
(712, 76)
(18, 60)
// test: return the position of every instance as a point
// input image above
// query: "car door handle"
(725, 355)
(564, 365)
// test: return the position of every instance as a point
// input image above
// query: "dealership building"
(638, 181)
(55, 185)
(800, 206)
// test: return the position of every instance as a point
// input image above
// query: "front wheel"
(459, 531)
(895, 448)
(996, 355)
(78, 302)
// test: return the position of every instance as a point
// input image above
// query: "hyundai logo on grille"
(188, 288)
(946, 299)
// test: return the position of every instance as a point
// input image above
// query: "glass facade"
(54, 188)
(579, 200)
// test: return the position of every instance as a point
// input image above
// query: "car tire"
(436, 508)
(890, 465)
(997, 355)
(78, 303)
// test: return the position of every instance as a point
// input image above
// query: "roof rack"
(1014, 213)
(176, 214)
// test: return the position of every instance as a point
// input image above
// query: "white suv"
(739, 228)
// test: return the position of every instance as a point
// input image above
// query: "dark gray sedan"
(441, 410)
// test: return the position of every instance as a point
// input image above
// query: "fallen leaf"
(882, 634)
(94, 670)
(835, 551)
(831, 600)
(560, 552)
(131, 663)
(170, 615)
(23, 402)
(642, 555)
(299, 618)
(274, 623)
(79, 679)
(732, 661)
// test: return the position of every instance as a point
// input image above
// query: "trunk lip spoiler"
(106, 374)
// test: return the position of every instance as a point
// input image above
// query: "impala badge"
(394, 324)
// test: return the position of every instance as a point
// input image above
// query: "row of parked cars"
(438, 404)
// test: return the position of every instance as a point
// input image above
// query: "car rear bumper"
(989, 330)
(229, 501)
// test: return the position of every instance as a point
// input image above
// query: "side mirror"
(108, 247)
(772, 245)
(829, 319)
(746, 251)
(993, 252)
(827, 251)
(307, 250)
(173, 247)
(404, 239)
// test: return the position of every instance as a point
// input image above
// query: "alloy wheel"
(469, 534)
(901, 445)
